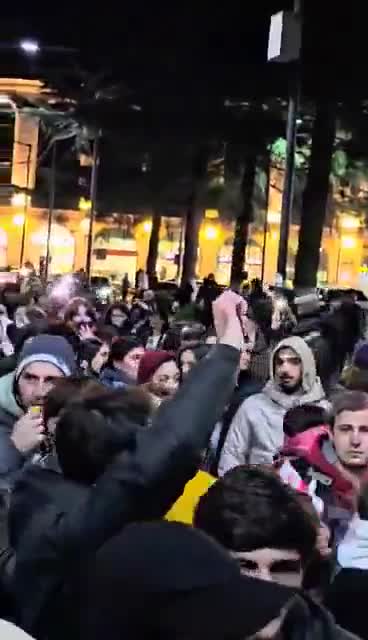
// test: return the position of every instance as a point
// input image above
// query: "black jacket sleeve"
(145, 483)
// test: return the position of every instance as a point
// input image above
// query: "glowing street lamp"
(29, 47)
(19, 219)
(211, 232)
(349, 223)
(147, 226)
(84, 204)
(19, 200)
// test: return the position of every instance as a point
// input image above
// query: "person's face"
(274, 565)
(100, 358)
(288, 369)
(82, 317)
(165, 380)
(350, 438)
(118, 318)
(130, 364)
(188, 360)
(36, 381)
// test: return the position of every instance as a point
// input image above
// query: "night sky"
(182, 62)
(182, 48)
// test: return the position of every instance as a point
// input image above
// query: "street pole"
(265, 224)
(289, 177)
(25, 210)
(180, 254)
(52, 189)
(93, 194)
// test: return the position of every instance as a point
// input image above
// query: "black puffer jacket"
(306, 620)
(55, 525)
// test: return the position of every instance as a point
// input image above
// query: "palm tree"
(245, 217)
(315, 196)
(194, 213)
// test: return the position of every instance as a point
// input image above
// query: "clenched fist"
(230, 313)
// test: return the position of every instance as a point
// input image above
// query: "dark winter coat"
(307, 620)
(54, 525)
(347, 600)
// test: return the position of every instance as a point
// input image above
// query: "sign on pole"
(285, 37)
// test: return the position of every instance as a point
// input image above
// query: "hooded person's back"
(256, 433)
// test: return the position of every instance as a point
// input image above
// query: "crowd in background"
(193, 466)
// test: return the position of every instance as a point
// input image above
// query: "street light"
(285, 40)
(19, 199)
(93, 198)
(23, 199)
(19, 219)
(211, 232)
(147, 226)
(30, 47)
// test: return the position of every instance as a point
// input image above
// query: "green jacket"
(10, 458)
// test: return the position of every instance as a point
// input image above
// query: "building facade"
(121, 240)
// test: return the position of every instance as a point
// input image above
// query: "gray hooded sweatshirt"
(256, 432)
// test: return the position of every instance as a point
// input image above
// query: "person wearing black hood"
(174, 582)
(122, 366)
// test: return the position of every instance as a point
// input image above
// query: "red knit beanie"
(150, 362)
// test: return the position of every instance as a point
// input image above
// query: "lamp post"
(52, 189)
(265, 223)
(93, 195)
(180, 252)
(26, 200)
(286, 38)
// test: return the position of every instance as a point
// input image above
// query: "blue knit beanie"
(45, 348)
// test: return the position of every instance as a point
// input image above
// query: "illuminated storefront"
(61, 248)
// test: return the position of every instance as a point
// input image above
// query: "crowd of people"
(188, 469)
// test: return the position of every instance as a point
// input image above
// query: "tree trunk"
(315, 197)
(243, 220)
(194, 215)
(153, 246)
(191, 240)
